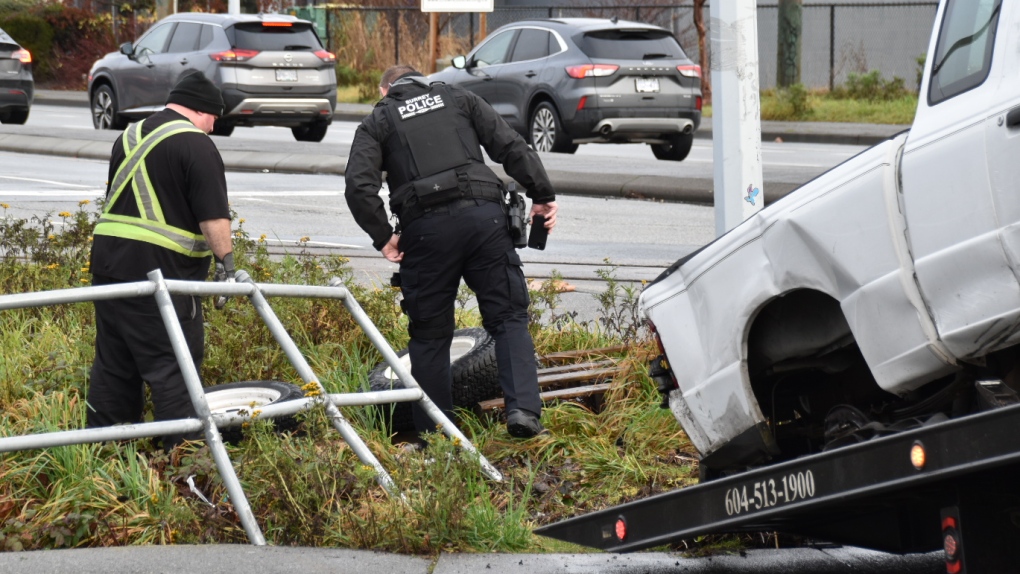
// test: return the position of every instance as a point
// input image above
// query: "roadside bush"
(871, 87)
(79, 38)
(35, 35)
(787, 104)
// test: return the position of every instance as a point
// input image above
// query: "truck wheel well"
(802, 361)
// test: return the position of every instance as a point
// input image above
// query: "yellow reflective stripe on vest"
(172, 238)
(136, 157)
(150, 226)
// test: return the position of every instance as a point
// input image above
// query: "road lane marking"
(42, 181)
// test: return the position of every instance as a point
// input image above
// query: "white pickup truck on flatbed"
(881, 294)
(847, 360)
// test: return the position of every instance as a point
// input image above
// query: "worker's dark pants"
(133, 348)
(469, 239)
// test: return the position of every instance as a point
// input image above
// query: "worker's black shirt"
(367, 157)
(187, 173)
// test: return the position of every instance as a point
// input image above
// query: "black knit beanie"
(196, 92)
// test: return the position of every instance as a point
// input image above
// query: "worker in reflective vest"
(166, 208)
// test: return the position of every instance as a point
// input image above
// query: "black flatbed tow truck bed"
(953, 485)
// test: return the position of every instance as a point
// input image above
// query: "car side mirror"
(459, 62)
(127, 49)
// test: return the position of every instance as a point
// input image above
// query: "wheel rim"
(234, 400)
(102, 110)
(543, 130)
(458, 348)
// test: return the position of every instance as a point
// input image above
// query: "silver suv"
(272, 69)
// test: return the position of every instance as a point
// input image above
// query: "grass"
(307, 488)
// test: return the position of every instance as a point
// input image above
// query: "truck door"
(950, 175)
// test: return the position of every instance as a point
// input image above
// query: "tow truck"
(847, 360)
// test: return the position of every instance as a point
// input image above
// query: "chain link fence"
(837, 39)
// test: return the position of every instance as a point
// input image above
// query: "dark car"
(272, 69)
(17, 87)
(567, 81)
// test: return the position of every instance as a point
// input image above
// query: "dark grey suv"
(16, 84)
(567, 81)
(272, 69)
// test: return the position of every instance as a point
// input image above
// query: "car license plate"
(647, 84)
(289, 76)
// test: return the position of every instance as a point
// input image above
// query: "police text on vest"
(420, 105)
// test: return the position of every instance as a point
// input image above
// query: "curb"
(801, 132)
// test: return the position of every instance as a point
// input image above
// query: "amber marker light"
(917, 456)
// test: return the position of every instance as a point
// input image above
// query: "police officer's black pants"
(133, 348)
(469, 239)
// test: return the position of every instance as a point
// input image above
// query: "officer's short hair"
(394, 72)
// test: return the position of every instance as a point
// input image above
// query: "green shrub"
(36, 36)
(871, 87)
(787, 104)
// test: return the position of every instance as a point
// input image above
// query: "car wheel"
(222, 128)
(14, 117)
(104, 110)
(310, 133)
(546, 132)
(251, 395)
(472, 369)
(676, 150)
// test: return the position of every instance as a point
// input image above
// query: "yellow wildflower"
(240, 220)
(84, 202)
(64, 214)
(5, 205)
(262, 238)
(51, 237)
(304, 239)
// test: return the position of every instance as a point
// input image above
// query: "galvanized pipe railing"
(210, 423)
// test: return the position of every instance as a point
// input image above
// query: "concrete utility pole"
(789, 40)
(736, 112)
(233, 6)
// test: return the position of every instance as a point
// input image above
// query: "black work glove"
(224, 273)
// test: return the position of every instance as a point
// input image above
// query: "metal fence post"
(212, 433)
(832, 47)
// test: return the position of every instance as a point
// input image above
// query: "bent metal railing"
(208, 422)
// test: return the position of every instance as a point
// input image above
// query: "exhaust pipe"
(688, 129)
(606, 130)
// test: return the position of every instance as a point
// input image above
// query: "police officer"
(452, 224)
(166, 208)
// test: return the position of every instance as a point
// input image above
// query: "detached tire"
(233, 397)
(472, 368)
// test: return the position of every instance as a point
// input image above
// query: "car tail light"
(22, 56)
(581, 102)
(591, 70)
(234, 55)
(277, 24)
(698, 103)
(326, 56)
(693, 71)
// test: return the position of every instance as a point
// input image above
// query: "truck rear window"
(631, 45)
(255, 36)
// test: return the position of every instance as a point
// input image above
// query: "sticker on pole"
(752, 192)
(456, 5)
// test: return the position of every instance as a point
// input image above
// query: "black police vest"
(433, 156)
